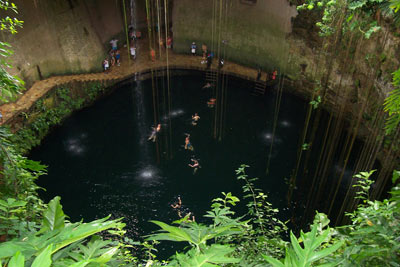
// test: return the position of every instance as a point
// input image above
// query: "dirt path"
(117, 73)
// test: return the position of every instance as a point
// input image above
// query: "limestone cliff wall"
(64, 36)
(254, 33)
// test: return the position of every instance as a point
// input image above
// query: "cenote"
(100, 161)
(302, 96)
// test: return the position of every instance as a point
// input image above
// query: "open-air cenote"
(137, 179)
(291, 162)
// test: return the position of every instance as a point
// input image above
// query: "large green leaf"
(81, 263)
(171, 233)
(8, 249)
(53, 217)
(106, 257)
(273, 262)
(71, 234)
(44, 258)
(210, 256)
(17, 260)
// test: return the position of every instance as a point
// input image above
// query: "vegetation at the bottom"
(36, 234)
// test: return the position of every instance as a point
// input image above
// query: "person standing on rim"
(193, 48)
(114, 44)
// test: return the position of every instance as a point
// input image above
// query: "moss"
(50, 111)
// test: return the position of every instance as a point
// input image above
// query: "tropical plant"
(340, 15)
(392, 105)
(10, 85)
(316, 246)
(263, 231)
(59, 242)
(372, 238)
(7, 23)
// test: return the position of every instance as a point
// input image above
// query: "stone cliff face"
(71, 36)
(60, 37)
(254, 33)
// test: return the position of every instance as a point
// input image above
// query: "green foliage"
(395, 5)
(305, 146)
(10, 85)
(94, 91)
(221, 212)
(372, 238)
(263, 231)
(11, 211)
(61, 243)
(211, 256)
(315, 103)
(18, 176)
(53, 217)
(350, 15)
(195, 234)
(316, 247)
(392, 105)
(364, 184)
(233, 239)
(7, 23)
(44, 117)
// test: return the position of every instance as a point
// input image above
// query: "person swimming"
(195, 119)
(154, 132)
(207, 85)
(211, 102)
(188, 145)
(195, 165)
(177, 205)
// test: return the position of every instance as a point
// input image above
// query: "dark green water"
(101, 163)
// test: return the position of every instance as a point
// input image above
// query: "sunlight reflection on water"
(174, 114)
(75, 146)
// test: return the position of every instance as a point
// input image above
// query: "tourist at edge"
(132, 50)
(221, 63)
(274, 74)
(118, 58)
(114, 44)
(106, 64)
(258, 74)
(193, 48)
(169, 42)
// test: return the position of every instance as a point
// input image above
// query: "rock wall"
(254, 34)
(64, 36)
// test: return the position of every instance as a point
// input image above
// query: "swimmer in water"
(177, 205)
(195, 119)
(195, 165)
(208, 85)
(211, 102)
(154, 132)
(188, 145)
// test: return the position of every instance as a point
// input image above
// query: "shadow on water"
(100, 161)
